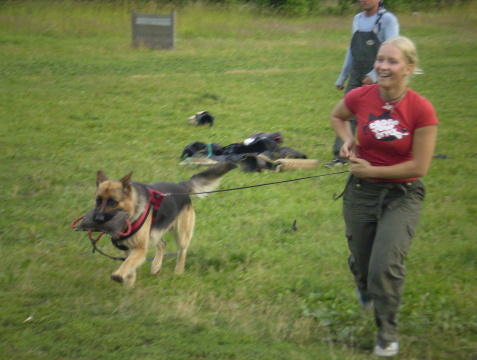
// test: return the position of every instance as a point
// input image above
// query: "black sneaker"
(336, 162)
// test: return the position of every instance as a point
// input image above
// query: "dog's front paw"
(117, 278)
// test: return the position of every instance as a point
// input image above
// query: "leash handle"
(73, 224)
(94, 241)
(128, 231)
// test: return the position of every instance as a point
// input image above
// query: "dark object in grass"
(113, 227)
(201, 118)
(441, 156)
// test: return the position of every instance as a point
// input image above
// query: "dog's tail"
(208, 180)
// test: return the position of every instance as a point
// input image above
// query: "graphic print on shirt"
(385, 128)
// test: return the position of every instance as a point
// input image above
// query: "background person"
(370, 28)
(382, 201)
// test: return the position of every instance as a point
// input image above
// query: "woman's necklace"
(390, 107)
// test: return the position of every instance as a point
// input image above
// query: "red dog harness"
(155, 200)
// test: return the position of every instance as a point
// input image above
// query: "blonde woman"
(395, 138)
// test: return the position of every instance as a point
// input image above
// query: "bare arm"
(422, 150)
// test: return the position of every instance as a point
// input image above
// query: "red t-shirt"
(385, 138)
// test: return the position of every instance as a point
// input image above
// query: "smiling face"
(392, 67)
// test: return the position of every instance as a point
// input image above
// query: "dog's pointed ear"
(100, 177)
(126, 180)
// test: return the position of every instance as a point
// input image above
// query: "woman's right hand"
(348, 150)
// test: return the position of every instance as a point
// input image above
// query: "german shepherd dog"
(151, 221)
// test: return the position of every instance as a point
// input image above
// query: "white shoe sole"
(390, 351)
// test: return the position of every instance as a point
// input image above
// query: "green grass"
(75, 98)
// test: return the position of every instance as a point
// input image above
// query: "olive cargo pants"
(381, 219)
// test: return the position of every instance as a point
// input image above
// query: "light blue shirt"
(389, 28)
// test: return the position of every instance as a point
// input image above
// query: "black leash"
(258, 185)
(95, 248)
(294, 228)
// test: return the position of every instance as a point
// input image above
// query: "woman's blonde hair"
(408, 48)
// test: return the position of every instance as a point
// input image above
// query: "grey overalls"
(364, 48)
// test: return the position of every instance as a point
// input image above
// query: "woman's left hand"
(360, 168)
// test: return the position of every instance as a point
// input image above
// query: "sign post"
(154, 31)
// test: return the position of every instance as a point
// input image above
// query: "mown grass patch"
(76, 98)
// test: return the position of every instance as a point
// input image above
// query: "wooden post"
(154, 31)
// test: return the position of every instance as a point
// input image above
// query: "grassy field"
(75, 98)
